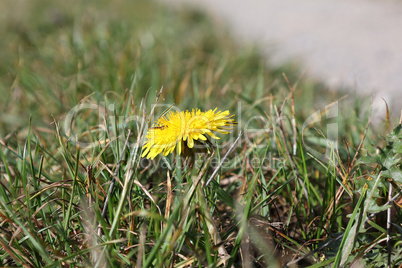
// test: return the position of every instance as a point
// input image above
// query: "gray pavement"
(345, 44)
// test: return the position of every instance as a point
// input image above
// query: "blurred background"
(348, 45)
(54, 54)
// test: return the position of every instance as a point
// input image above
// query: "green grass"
(282, 196)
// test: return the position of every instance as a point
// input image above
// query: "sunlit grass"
(82, 83)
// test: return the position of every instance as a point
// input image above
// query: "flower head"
(179, 129)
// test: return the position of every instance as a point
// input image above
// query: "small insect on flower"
(179, 129)
(158, 127)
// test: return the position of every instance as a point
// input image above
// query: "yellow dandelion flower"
(179, 129)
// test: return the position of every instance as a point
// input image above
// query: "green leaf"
(391, 161)
(368, 159)
(373, 207)
(394, 174)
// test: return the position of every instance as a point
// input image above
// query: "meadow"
(302, 179)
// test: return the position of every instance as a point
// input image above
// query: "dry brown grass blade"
(387, 116)
(43, 205)
(10, 250)
(148, 194)
(294, 124)
(215, 78)
(362, 141)
(400, 118)
(141, 246)
(169, 196)
(153, 107)
(183, 87)
(53, 185)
